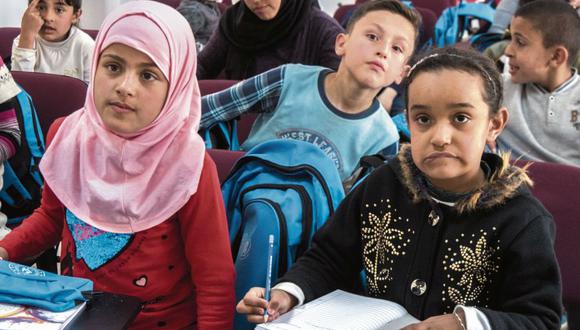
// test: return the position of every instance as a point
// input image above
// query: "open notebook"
(16, 317)
(340, 310)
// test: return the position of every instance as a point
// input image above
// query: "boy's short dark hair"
(466, 60)
(522, 3)
(392, 6)
(76, 4)
(557, 22)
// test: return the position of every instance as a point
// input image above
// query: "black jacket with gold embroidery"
(493, 249)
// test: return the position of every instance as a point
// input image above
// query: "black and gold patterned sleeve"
(529, 294)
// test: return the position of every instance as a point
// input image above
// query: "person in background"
(203, 17)
(542, 88)
(336, 111)
(129, 188)
(502, 19)
(50, 41)
(255, 36)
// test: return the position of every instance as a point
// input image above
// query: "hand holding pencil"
(254, 304)
(262, 304)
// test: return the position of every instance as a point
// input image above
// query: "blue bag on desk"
(23, 285)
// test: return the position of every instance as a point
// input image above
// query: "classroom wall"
(11, 12)
(94, 11)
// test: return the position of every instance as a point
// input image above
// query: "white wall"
(11, 12)
(94, 11)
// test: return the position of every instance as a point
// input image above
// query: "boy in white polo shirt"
(542, 90)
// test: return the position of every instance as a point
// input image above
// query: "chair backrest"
(245, 124)
(558, 188)
(92, 33)
(214, 85)
(53, 95)
(172, 3)
(429, 18)
(7, 35)
(224, 161)
(246, 121)
(342, 11)
(436, 6)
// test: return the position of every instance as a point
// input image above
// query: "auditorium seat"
(172, 3)
(437, 6)
(7, 35)
(342, 11)
(224, 161)
(558, 188)
(53, 95)
(429, 18)
(245, 122)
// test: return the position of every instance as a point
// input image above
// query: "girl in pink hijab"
(129, 188)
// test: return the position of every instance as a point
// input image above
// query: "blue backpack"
(454, 21)
(483, 40)
(222, 135)
(22, 188)
(286, 188)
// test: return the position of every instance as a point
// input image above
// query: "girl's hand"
(31, 24)
(440, 322)
(575, 3)
(253, 304)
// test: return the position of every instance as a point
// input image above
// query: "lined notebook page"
(340, 310)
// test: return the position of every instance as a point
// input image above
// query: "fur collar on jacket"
(504, 183)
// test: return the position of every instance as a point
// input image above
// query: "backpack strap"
(22, 179)
(373, 161)
(222, 135)
(33, 135)
(367, 164)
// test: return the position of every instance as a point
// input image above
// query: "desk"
(107, 311)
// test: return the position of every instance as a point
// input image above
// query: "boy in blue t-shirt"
(336, 111)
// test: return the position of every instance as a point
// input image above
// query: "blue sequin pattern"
(94, 246)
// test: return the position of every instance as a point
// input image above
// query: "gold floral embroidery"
(475, 266)
(381, 242)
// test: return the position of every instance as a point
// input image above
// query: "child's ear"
(497, 123)
(560, 55)
(77, 16)
(339, 44)
(403, 74)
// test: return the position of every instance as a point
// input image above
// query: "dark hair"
(76, 4)
(522, 3)
(392, 6)
(557, 22)
(466, 60)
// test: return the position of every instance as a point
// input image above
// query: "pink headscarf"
(133, 182)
